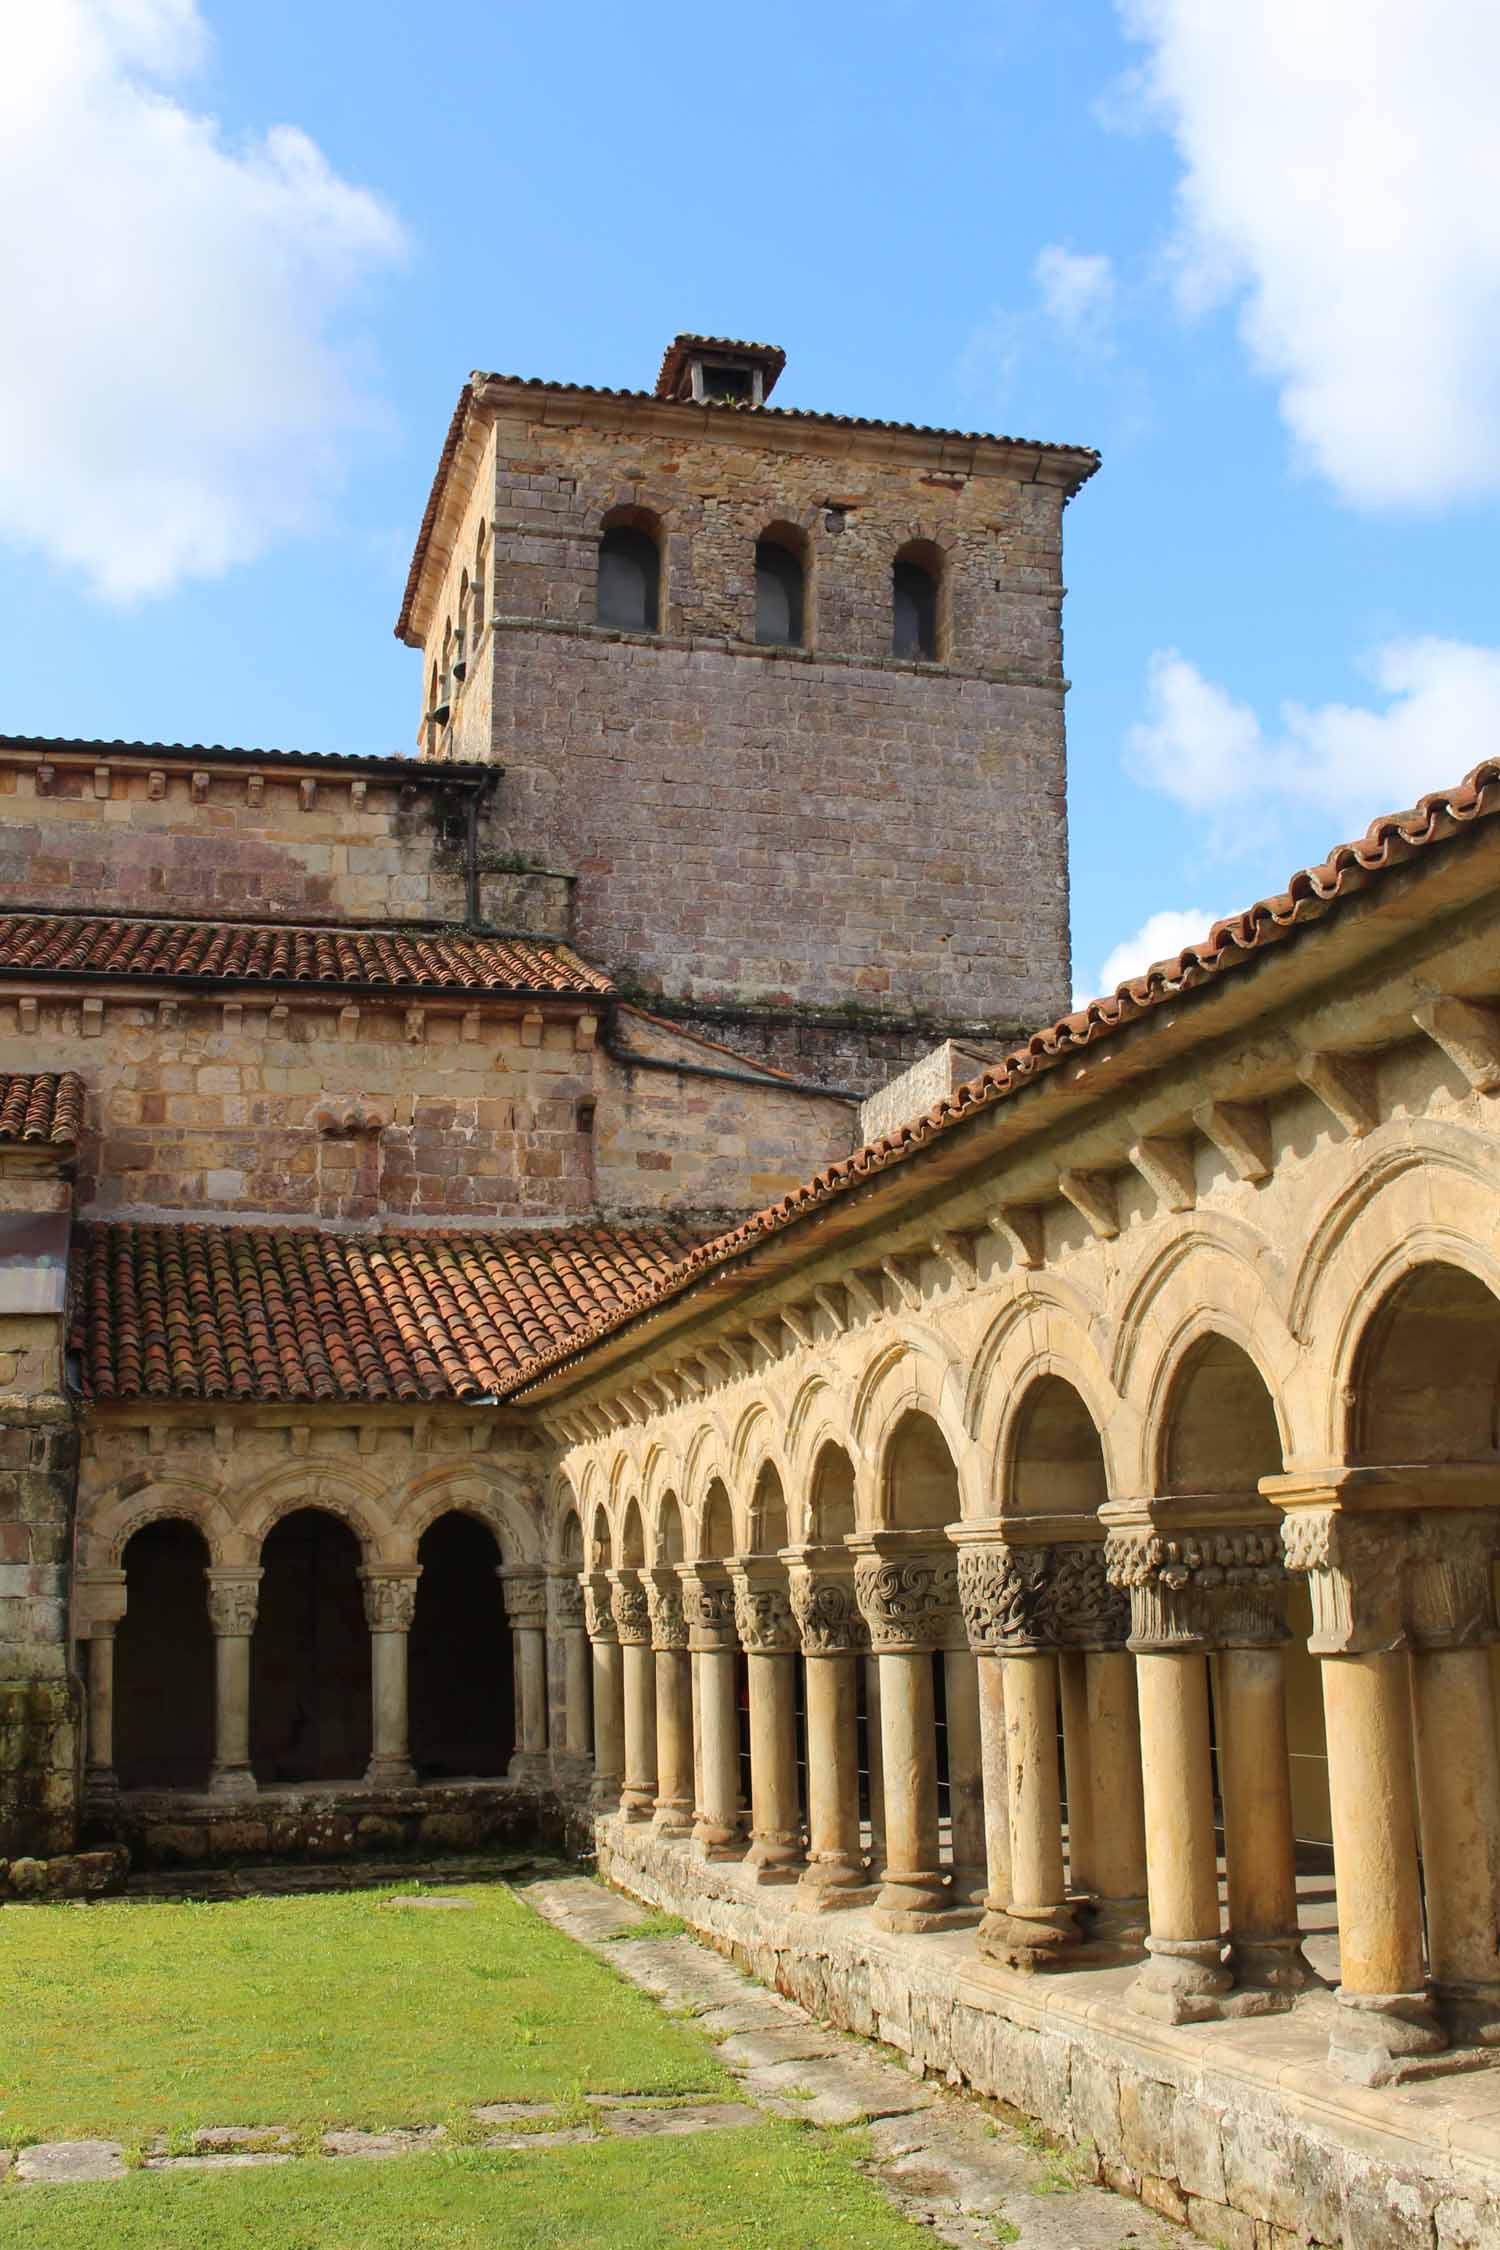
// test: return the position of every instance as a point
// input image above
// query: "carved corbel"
(1468, 1031)
(1345, 1085)
(835, 1303)
(862, 1297)
(958, 1253)
(1093, 1194)
(1166, 1166)
(1019, 1225)
(905, 1277)
(767, 1339)
(798, 1321)
(1241, 1132)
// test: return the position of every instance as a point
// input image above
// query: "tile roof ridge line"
(182, 1220)
(399, 763)
(429, 926)
(1290, 913)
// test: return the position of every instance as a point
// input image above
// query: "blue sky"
(1253, 255)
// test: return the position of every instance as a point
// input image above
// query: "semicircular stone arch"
(336, 1493)
(105, 1537)
(501, 1503)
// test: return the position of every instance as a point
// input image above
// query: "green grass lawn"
(125, 2020)
(769, 2184)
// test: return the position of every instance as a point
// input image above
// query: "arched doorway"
(164, 1662)
(461, 1675)
(310, 1658)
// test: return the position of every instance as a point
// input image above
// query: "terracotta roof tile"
(392, 766)
(1388, 843)
(44, 1105)
(222, 1312)
(281, 953)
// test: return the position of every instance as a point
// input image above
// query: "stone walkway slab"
(838, 2090)
(65, 2163)
(702, 2117)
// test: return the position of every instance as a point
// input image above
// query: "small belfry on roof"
(719, 370)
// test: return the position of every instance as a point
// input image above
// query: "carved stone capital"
(828, 1616)
(632, 1612)
(598, 1609)
(233, 1599)
(566, 1597)
(664, 1601)
(525, 1597)
(1450, 1595)
(908, 1601)
(390, 1597)
(763, 1615)
(1017, 1598)
(1199, 1589)
(1355, 1568)
(708, 1606)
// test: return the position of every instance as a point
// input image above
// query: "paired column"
(632, 1617)
(609, 1692)
(674, 1703)
(1014, 1599)
(568, 1720)
(908, 1592)
(101, 1604)
(708, 1605)
(233, 1599)
(390, 1591)
(768, 1634)
(834, 1639)
(526, 1614)
(1358, 1568)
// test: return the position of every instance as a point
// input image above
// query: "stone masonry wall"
(315, 1111)
(39, 1698)
(804, 831)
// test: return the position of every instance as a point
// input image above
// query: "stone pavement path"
(941, 2158)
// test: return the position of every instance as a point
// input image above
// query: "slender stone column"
(526, 1614)
(1185, 1979)
(906, 1584)
(1021, 1602)
(1114, 1748)
(101, 1605)
(233, 1597)
(1356, 1572)
(990, 1671)
(390, 1602)
(569, 1728)
(674, 1704)
(609, 1693)
(1452, 1610)
(965, 1775)
(833, 1641)
(633, 1624)
(708, 1604)
(1073, 1691)
(768, 1635)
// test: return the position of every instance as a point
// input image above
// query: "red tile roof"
(387, 766)
(1444, 816)
(219, 1312)
(62, 945)
(44, 1105)
(686, 346)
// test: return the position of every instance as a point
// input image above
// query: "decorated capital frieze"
(632, 1611)
(708, 1606)
(909, 1600)
(1052, 1596)
(525, 1597)
(828, 1615)
(1384, 1580)
(598, 1609)
(763, 1613)
(565, 1595)
(664, 1602)
(390, 1597)
(1450, 1590)
(233, 1599)
(1199, 1589)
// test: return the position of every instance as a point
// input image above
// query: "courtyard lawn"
(773, 2184)
(126, 2020)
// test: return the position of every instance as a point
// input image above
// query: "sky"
(1251, 253)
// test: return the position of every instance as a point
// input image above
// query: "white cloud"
(1440, 716)
(1159, 938)
(1341, 169)
(174, 396)
(1077, 287)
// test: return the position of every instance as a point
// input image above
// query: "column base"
(233, 1784)
(1377, 2035)
(390, 1773)
(1470, 2013)
(775, 1856)
(673, 1817)
(1271, 1972)
(717, 1839)
(1115, 1929)
(828, 1884)
(971, 1885)
(918, 1902)
(528, 1765)
(101, 1785)
(604, 1793)
(1029, 1937)
(1184, 1981)
(637, 1804)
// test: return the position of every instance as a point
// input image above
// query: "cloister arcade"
(1130, 1610)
